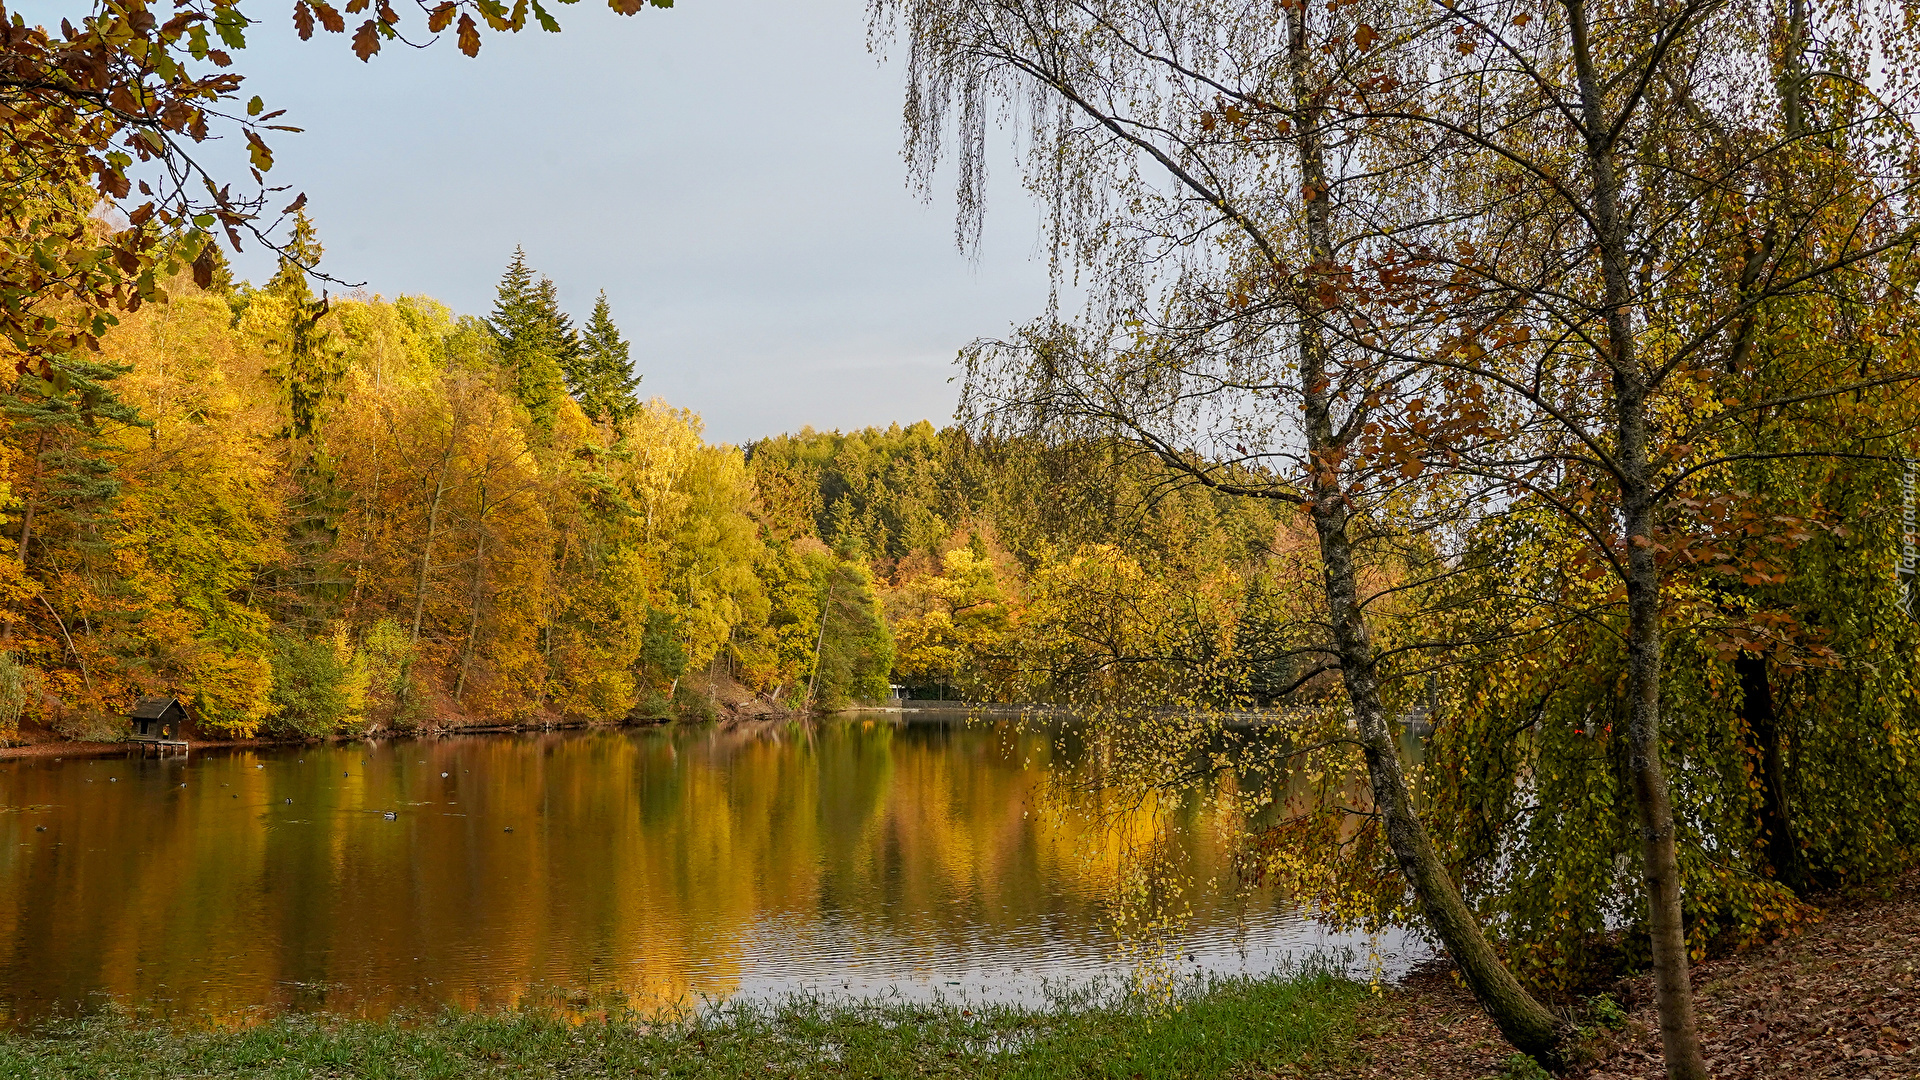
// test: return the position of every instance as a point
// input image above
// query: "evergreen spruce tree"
(602, 379)
(58, 414)
(315, 363)
(69, 481)
(513, 297)
(536, 339)
(310, 373)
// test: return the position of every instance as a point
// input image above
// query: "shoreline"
(732, 717)
(740, 715)
(61, 748)
(732, 706)
(1280, 1025)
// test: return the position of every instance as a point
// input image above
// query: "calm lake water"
(860, 857)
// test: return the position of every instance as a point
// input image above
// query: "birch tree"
(1216, 168)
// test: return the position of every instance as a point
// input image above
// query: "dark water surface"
(861, 857)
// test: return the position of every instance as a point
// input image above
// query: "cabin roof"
(153, 708)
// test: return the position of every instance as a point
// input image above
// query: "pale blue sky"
(727, 170)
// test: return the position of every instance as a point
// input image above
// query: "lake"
(922, 856)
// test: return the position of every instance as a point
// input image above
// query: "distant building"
(158, 719)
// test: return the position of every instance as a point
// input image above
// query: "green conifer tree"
(315, 363)
(69, 480)
(536, 339)
(310, 373)
(602, 378)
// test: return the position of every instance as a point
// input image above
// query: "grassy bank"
(1231, 1028)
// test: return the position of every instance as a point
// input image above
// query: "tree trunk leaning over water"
(1522, 1019)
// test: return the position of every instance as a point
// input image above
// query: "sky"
(729, 172)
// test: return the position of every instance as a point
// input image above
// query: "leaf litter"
(1841, 999)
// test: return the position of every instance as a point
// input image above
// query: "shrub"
(395, 697)
(310, 683)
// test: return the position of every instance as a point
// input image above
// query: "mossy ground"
(1231, 1028)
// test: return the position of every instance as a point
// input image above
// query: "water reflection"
(857, 857)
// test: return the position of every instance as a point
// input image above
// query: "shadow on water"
(896, 855)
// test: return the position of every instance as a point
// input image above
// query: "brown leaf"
(366, 40)
(331, 19)
(203, 266)
(1364, 37)
(469, 36)
(258, 152)
(441, 17)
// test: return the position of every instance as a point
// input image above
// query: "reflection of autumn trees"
(641, 863)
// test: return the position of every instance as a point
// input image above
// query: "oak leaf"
(203, 266)
(257, 151)
(366, 40)
(330, 18)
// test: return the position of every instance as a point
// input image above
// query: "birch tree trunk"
(1525, 1023)
(1679, 1038)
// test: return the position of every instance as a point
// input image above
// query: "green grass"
(1231, 1028)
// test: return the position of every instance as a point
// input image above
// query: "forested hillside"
(1009, 569)
(310, 515)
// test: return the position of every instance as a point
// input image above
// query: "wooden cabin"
(158, 720)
